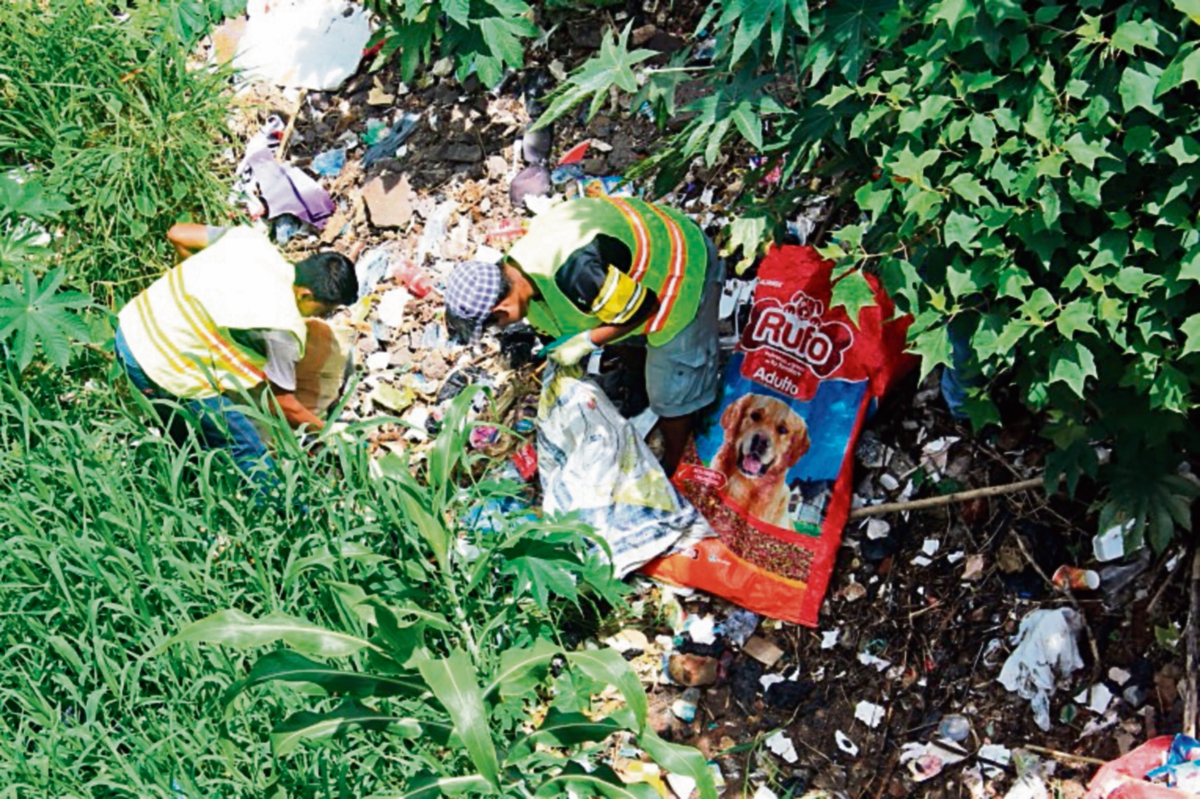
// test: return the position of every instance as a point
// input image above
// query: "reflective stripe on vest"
(668, 256)
(174, 329)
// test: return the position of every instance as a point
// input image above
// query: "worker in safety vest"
(224, 321)
(595, 270)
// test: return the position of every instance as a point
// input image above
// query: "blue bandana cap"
(472, 291)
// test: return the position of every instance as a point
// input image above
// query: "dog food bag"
(771, 467)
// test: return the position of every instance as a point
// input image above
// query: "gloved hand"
(570, 350)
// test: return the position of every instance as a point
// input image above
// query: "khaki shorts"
(682, 375)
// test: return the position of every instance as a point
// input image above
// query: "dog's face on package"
(767, 437)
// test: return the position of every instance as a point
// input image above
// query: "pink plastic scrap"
(1124, 778)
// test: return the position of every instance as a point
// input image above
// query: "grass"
(106, 108)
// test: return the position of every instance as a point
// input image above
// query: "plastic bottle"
(414, 278)
(955, 728)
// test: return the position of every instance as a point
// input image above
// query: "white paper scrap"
(702, 629)
(877, 663)
(878, 528)
(931, 546)
(829, 638)
(783, 746)
(764, 792)
(681, 785)
(767, 680)
(845, 744)
(869, 713)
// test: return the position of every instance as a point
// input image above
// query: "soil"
(943, 635)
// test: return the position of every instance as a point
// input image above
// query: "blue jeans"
(221, 424)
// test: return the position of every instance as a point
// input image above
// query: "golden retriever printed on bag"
(764, 438)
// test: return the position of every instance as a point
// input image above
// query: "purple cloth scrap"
(288, 190)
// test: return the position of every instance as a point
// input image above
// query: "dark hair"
(330, 277)
(506, 286)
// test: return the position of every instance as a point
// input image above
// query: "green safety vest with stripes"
(669, 257)
(178, 328)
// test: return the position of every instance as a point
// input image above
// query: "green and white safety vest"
(669, 257)
(178, 328)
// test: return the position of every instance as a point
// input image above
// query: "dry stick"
(1056, 754)
(947, 499)
(291, 125)
(1193, 650)
(1158, 595)
(1066, 591)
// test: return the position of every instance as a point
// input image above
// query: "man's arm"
(295, 413)
(189, 238)
(605, 334)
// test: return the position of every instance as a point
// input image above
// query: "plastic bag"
(771, 467)
(592, 460)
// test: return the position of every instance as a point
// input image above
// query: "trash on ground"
(1046, 650)
(1110, 544)
(1161, 768)
(692, 670)
(329, 163)
(869, 713)
(845, 744)
(1076, 579)
(769, 457)
(763, 651)
(684, 707)
(388, 141)
(304, 44)
(593, 462)
(926, 760)
(783, 746)
(954, 727)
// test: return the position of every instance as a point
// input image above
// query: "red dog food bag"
(772, 467)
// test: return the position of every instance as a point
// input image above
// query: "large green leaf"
(521, 669)
(241, 631)
(287, 666)
(350, 715)
(37, 312)
(601, 781)
(607, 666)
(612, 66)
(454, 683)
(430, 787)
(563, 730)
(679, 759)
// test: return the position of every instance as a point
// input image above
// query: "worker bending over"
(593, 271)
(224, 321)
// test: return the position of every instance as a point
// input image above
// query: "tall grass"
(100, 98)
(108, 549)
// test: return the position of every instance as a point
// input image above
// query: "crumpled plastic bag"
(591, 460)
(1046, 651)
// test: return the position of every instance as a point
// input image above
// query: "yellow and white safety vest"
(178, 328)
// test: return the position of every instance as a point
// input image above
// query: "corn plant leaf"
(679, 759)
(350, 715)
(428, 786)
(454, 683)
(242, 631)
(37, 312)
(607, 666)
(521, 669)
(418, 507)
(286, 666)
(602, 781)
(562, 730)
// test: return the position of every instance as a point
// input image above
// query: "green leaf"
(563, 730)
(522, 669)
(1075, 317)
(678, 759)
(952, 12)
(961, 229)
(611, 67)
(542, 577)
(1082, 152)
(454, 683)
(241, 631)
(286, 666)
(601, 781)
(908, 164)
(1130, 35)
(933, 348)
(428, 786)
(966, 186)
(607, 666)
(749, 234)
(1191, 329)
(38, 313)
(1184, 150)
(1072, 363)
(1189, 7)
(350, 715)
(1139, 87)
(853, 293)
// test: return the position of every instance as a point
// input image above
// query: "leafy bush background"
(1024, 176)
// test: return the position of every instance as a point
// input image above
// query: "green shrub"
(481, 36)
(1025, 175)
(107, 111)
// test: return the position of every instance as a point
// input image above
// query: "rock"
(461, 153)
(434, 368)
(389, 200)
(692, 670)
(400, 357)
(497, 167)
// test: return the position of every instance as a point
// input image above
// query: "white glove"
(573, 350)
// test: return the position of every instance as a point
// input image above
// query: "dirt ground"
(932, 621)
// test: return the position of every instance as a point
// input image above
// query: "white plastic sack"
(303, 44)
(592, 460)
(1046, 651)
